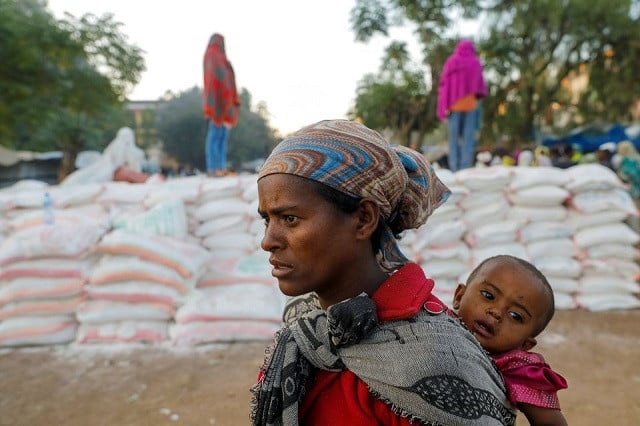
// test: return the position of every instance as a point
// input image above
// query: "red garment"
(220, 96)
(341, 398)
(529, 379)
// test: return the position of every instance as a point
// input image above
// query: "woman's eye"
(290, 220)
(486, 294)
(516, 316)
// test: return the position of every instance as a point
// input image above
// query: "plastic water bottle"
(47, 205)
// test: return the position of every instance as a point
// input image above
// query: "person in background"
(542, 158)
(220, 104)
(506, 303)
(502, 157)
(629, 172)
(561, 156)
(483, 158)
(576, 148)
(460, 89)
(605, 153)
(365, 342)
(525, 158)
(629, 168)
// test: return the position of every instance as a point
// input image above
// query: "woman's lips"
(280, 269)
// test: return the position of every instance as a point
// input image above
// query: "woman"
(629, 171)
(364, 342)
(460, 89)
(629, 168)
(220, 104)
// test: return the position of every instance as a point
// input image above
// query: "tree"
(182, 128)
(431, 21)
(395, 98)
(533, 49)
(530, 50)
(252, 137)
(61, 81)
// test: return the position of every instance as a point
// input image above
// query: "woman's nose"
(270, 239)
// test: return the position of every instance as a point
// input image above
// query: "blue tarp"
(589, 138)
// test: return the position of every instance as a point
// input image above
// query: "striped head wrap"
(355, 160)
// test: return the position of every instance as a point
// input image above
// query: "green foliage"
(531, 61)
(252, 137)
(30, 45)
(62, 82)
(369, 18)
(528, 49)
(107, 50)
(403, 95)
(182, 128)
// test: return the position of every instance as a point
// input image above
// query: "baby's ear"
(529, 344)
(457, 296)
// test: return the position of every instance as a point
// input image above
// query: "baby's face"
(503, 306)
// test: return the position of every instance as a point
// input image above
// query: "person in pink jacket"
(461, 87)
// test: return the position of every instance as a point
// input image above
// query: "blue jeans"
(462, 143)
(216, 147)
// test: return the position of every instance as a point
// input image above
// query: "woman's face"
(313, 245)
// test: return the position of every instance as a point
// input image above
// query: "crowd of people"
(621, 157)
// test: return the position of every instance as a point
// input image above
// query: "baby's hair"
(536, 272)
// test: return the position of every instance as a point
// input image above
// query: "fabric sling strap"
(409, 364)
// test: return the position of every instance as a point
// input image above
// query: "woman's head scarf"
(357, 161)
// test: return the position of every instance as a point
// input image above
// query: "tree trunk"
(68, 163)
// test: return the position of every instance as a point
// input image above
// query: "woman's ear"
(367, 215)
(457, 296)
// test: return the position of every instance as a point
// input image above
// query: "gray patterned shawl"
(428, 368)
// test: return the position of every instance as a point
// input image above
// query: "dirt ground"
(123, 385)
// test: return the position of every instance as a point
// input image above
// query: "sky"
(299, 57)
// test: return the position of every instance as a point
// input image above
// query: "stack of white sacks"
(135, 289)
(236, 299)
(538, 196)
(599, 204)
(569, 223)
(180, 261)
(438, 246)
(44, 267)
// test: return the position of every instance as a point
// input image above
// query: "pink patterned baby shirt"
(529, 379)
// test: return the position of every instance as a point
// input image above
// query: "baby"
(506, 303)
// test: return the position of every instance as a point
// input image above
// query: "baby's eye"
(486, 294)
(516, 316)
